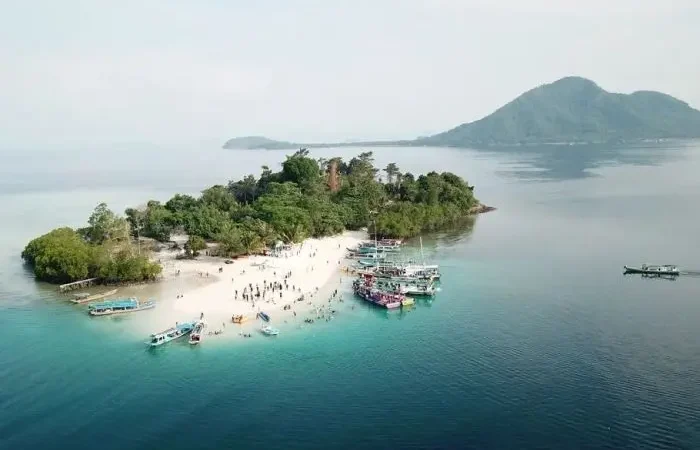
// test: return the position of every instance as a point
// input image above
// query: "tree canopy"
(307, 197)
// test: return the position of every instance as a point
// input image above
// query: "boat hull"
(641, 270)
(110, 312)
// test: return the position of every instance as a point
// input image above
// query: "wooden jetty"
(77, 284)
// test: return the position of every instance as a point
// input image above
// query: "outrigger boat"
(119, 307)
(197, 332)
(86, 298)
(176, 332)
(654, 270)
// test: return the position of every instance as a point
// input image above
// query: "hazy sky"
(81, 73)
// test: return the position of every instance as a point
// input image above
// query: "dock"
(77, 285)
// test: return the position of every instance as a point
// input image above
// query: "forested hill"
(572, 109)
(577, 110)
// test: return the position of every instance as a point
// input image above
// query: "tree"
(300, 169)
(244, 190)
(391, 171)
(59, 256)
(219, 197)
(194, 245)
(104, 225)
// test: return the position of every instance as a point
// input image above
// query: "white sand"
(181, 297)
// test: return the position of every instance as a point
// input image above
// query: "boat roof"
(115, 303)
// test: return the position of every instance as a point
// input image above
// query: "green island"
(307, 198)
(569, 110)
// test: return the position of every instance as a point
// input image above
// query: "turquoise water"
(536, 340)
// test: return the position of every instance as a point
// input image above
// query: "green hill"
(572, 109)
(575, 109)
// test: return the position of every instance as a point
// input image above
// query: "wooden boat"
(366, 290)
(667, 269)
(176, 332)
(239, 318)
(120, 306)
(197, 332)
(86, 298)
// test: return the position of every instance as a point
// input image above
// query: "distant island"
(569, 110)
(307, 198)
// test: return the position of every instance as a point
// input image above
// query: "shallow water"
(536, 339)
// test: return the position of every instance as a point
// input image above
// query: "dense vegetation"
(103, 249)
(572, 109)
(577, 110)
(306, 198)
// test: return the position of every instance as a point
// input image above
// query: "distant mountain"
(575, 109)
(570, 110)
(256, 142)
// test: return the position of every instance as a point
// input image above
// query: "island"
(569, 110)
(307, 198)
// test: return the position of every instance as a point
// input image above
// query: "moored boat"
(269, 331)
(176, 332)
(407, 302)
(650, 269)
(366, 290)
(120, 306)
(264, 316)
(197, 332)
(86, 298)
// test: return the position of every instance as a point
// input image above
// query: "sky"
(82, 73)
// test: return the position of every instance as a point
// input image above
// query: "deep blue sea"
(536, 341)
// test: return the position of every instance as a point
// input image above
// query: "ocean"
(536, 339)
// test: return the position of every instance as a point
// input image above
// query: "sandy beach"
(273, 284)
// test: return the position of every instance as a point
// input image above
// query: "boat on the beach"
(176, 332)
(119, 306)
(239, 318)
(650, 269)
(365, 289)
(269, 331)
(197, 332)
(264, 316)
(86, 297)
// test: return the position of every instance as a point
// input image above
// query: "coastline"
(207, 286)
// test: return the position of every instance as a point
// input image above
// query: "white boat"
(197, 332)
(269, 331)
(176, 332)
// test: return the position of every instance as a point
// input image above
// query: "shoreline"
(207, 286)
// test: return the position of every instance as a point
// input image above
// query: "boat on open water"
(650, 269)
(119, 306)
(176, 332)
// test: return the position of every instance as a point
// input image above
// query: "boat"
(239, 318)
(365, 289)
(649, 269)
(86, 298)
(270, 331)
(176, 332)
(120, 306)
(264, 316)
(408, 302)
(197, 332)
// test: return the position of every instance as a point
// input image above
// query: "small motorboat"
(269, 331)
(408, 302)
(197, 332)
(264, 316)
(648, 269)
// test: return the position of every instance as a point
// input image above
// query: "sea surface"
(536, 339)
